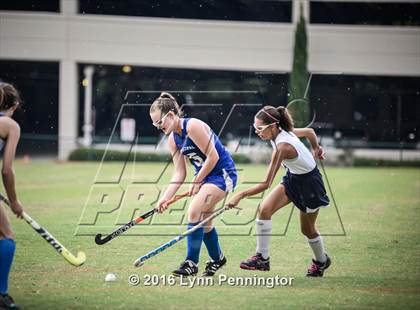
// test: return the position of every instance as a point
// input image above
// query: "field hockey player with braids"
(302, 185)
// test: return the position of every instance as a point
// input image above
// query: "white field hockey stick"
(74, 260)
(140, 261)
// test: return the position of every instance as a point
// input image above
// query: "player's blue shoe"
(212, 266)
(317, 269)
(256, 262)
(6, 302)
(187, 268)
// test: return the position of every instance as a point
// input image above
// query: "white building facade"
(71, 38)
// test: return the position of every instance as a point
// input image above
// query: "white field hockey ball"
(110, 277)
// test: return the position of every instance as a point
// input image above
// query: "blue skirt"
(306, 191)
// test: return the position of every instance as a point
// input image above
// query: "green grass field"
(375, 265)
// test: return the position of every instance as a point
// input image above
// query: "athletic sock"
(211, 241)
(194, 241)
(7, 251)
(263, 228)
(317, 246)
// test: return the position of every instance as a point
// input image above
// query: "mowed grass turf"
(375, 265)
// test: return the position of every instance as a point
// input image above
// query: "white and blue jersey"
(223, 174)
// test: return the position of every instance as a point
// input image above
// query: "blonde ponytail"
(165, 103)
(166, 95)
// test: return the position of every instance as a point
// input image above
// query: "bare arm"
(180, 170)
(310, 134)
(178, 177)
(276, 159)
(8, 174)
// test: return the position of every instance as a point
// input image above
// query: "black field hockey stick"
(123, 228)
(74, 260)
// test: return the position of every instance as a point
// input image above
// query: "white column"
(68, 90)
(296, 10)
(68, 7)
(87, 126)
(67, 110)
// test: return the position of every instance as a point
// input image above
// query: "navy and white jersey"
(301, 164)
(223, 174)
(303, 182)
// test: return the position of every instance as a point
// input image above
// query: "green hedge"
(89, 154)
(368, 162)
(241, 159)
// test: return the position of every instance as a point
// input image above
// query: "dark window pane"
(217, 90)
(31, 5)
(365, 13)
(365, 108)
(237, 10)
(371, 108)
(38, 117)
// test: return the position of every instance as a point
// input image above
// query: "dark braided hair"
(280, 115)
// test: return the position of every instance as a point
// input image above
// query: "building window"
(231, 10)
(368, 108)
(38, 115)
(206, 94)
(31, 5)
(365, 13)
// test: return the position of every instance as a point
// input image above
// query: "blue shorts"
(306, 191)
(225, 180)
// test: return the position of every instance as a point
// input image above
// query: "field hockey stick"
(74, 260)
(140, 261)
(123, 228)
